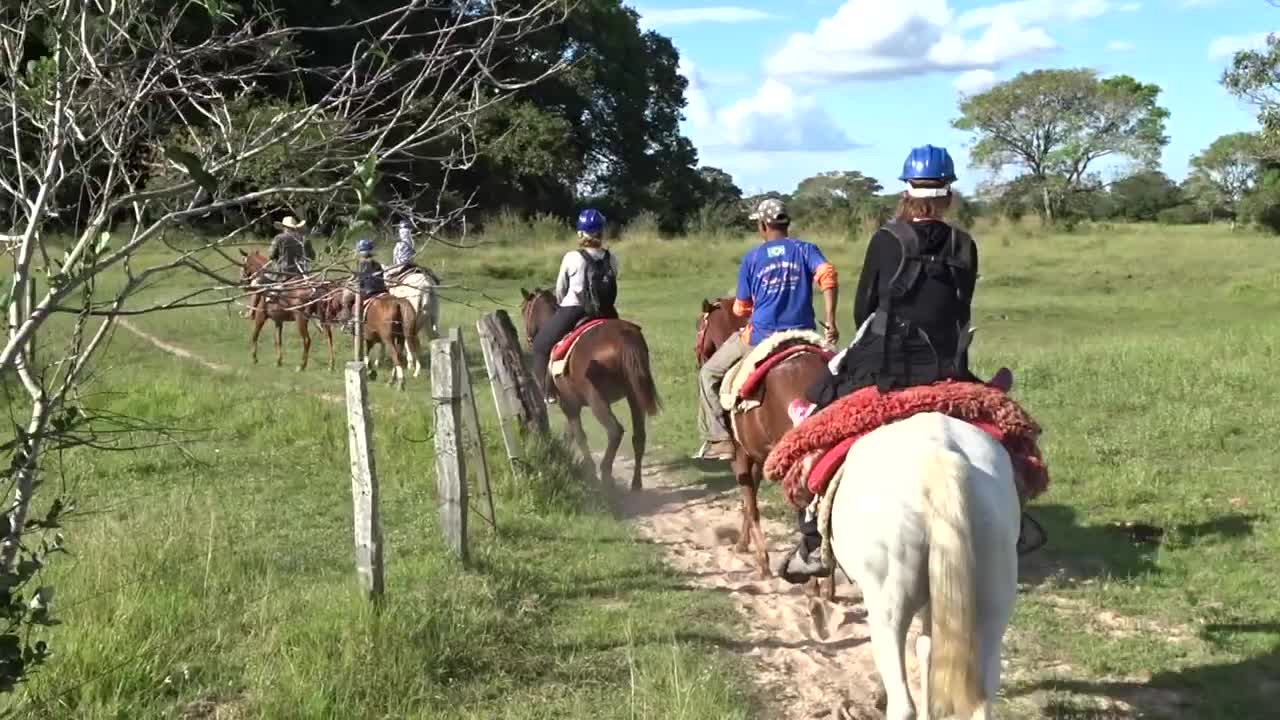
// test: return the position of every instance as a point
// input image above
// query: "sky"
(781, 91)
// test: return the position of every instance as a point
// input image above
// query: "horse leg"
(259, 319)
(757, 532)
(305, 332)
(279, 343)
(741, 472)
(397, 363)
(600, 408)
(637, 440)
(328, 336)
(573, 421)
(889, 617)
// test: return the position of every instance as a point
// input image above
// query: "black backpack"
(956, 259)
(600, 284)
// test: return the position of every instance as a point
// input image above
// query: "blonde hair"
(931, 208)
(588, 240)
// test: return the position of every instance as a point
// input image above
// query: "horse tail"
(408, 325)
(635, 366)
(955, 687)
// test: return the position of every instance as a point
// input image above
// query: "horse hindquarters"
(926, 517)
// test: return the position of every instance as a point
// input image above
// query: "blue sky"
(780, 91)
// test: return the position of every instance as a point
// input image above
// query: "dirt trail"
(808, 665)
(207, 364)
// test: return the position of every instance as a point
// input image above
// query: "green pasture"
(215, 578)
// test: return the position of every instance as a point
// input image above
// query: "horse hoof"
(741, 547)
(636, 486)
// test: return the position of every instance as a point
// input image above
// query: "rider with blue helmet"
(912, 311)
(586, 287)
(368, 277)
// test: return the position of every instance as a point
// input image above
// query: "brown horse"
(759, 428)
(297, 301)
(609, 363)
(389, 321)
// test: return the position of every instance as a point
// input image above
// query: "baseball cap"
(770, 210)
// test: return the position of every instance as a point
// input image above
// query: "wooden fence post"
(515, 394)
(451, 471)
(471, 423)
(364, 483)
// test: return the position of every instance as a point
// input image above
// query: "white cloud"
(668, 17)
(774, 119)
(869, 39)
(1028, 12)
(698, 106)
(974, 81)
(1228, 45)
(1120, 46)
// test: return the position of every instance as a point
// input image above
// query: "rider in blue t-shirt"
(775, 287)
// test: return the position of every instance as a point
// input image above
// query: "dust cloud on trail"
(806, 666)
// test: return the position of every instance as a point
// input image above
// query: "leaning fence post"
(451, 473)
(515, 393)
(364, 483)
(471, 422)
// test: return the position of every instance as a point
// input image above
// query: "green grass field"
(217, 580)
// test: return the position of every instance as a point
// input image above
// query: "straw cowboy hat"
(293, 223)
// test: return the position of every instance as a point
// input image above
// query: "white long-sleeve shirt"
(572, 278)
(403, 251)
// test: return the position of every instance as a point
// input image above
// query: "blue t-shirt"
(777, 278)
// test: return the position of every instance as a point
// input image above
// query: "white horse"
(418, 287)
(926, 519)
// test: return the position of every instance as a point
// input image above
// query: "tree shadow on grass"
(1248, 690)
(1076, 552)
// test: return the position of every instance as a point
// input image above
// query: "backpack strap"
(904, 278)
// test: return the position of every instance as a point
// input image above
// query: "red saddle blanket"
(758, 373)
(560, 349)
(836, 428)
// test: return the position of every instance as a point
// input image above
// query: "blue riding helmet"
(590, 222)
(928, 162)
(364, 246)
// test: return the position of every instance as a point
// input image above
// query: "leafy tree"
(1230, 165)
(720, 201)
(718, 187)
(1254, 75)
(1207, 197)
(1141, 197)
(1054, 124)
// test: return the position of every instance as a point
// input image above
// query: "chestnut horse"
(758, 429)
(389, 321)
(609, 363)
(297, 301)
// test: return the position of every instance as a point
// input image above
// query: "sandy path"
(808, 665)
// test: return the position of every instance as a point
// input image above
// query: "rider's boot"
(1003, 379)
(804, 562)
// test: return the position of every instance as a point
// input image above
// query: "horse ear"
(707, 306)
(525, 294)
(242, 252)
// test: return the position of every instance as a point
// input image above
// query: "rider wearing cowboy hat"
(290, 256)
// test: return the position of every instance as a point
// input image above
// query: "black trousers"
(564, 319)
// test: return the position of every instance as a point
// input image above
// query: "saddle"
(834, 430)
(741, 383)
(561, 351)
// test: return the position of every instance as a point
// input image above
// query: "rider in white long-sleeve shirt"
(577, 301)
